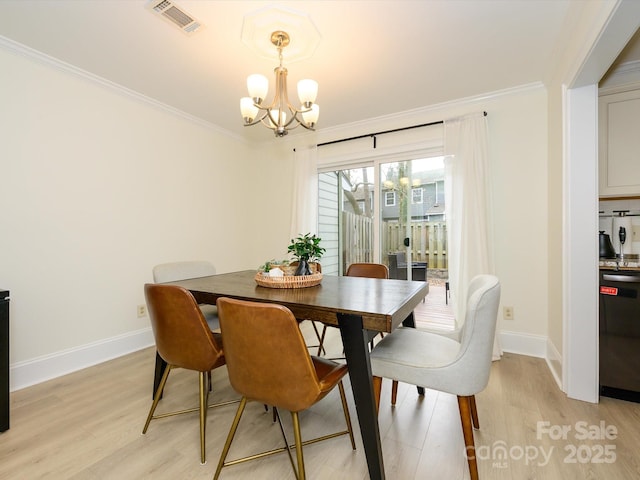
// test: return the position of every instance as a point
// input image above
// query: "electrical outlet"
(507, 313)
(142, 311)
(636, 233)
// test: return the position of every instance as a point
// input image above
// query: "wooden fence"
(428, 240)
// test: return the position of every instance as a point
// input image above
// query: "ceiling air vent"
(174, 14)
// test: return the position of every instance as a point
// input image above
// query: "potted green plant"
(306, 248)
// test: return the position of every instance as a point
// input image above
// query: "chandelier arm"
(265, 122)
(301, 122)
(258, 119)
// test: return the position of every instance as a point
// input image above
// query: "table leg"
(410, 322)
(356, 350)
(160, 367)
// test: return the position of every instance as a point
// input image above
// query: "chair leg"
(474, 413)
(232, 432)
(298, 437)
(157, 398)
(394, 392)
(321, 340)
(320, 346)
(464, 405)
(204, 401)
(347, 416)
(377, 389)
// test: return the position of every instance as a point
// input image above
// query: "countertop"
(632, 266)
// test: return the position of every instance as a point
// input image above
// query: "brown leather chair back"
(368, 270)
(266, 355)
(183, 338)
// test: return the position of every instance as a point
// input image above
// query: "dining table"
(354, 304)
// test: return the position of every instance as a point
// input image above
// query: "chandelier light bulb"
(311, 117)
(275, 113)
(307, 91)
(258, 86)
(248, 109)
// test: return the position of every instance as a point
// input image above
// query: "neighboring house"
(426, 200)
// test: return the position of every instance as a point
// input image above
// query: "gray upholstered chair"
(441, 363)
(174, 271)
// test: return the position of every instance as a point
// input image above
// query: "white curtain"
(468, 208)
(304, 214)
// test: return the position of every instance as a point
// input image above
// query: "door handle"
(621, 278)
(406, 242)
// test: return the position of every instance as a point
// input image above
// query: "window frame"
(413, 191)
(393, 196)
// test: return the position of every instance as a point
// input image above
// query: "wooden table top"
(382, 304)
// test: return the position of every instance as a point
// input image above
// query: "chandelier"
(280, 115)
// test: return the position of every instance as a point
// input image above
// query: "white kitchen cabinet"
(619, 144)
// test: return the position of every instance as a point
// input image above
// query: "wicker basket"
(288, 281)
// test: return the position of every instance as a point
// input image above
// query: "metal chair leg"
(157, 397)
(298, 437)
(320, 341)
(204, 400)
(347, 416)
(232, 432)
(321, 345)
(298, 444)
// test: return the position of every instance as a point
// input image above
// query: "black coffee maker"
(606, 248)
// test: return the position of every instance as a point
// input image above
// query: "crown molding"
(52, 62)
(435, 111)
(624, 78)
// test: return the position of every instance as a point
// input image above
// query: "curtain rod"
(383, 132)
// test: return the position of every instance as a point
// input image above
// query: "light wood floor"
(88, 425)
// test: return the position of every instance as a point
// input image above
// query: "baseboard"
(41, 369)
(523, 344)
(554, 361)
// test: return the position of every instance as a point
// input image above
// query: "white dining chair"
(174, 271)
(440, 363)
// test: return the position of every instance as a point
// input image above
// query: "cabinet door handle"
(621, 278)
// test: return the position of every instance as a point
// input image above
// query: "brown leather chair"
(268, 361)
(367, 270)
(184, 340)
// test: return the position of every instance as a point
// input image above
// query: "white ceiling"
(374, 58)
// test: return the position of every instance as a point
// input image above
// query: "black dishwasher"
(620, 334)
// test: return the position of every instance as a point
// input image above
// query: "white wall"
(95, 188)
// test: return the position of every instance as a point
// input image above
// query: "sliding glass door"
(346, 217)
(412, 227)
(387, 212)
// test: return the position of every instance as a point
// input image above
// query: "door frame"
(579, 244)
